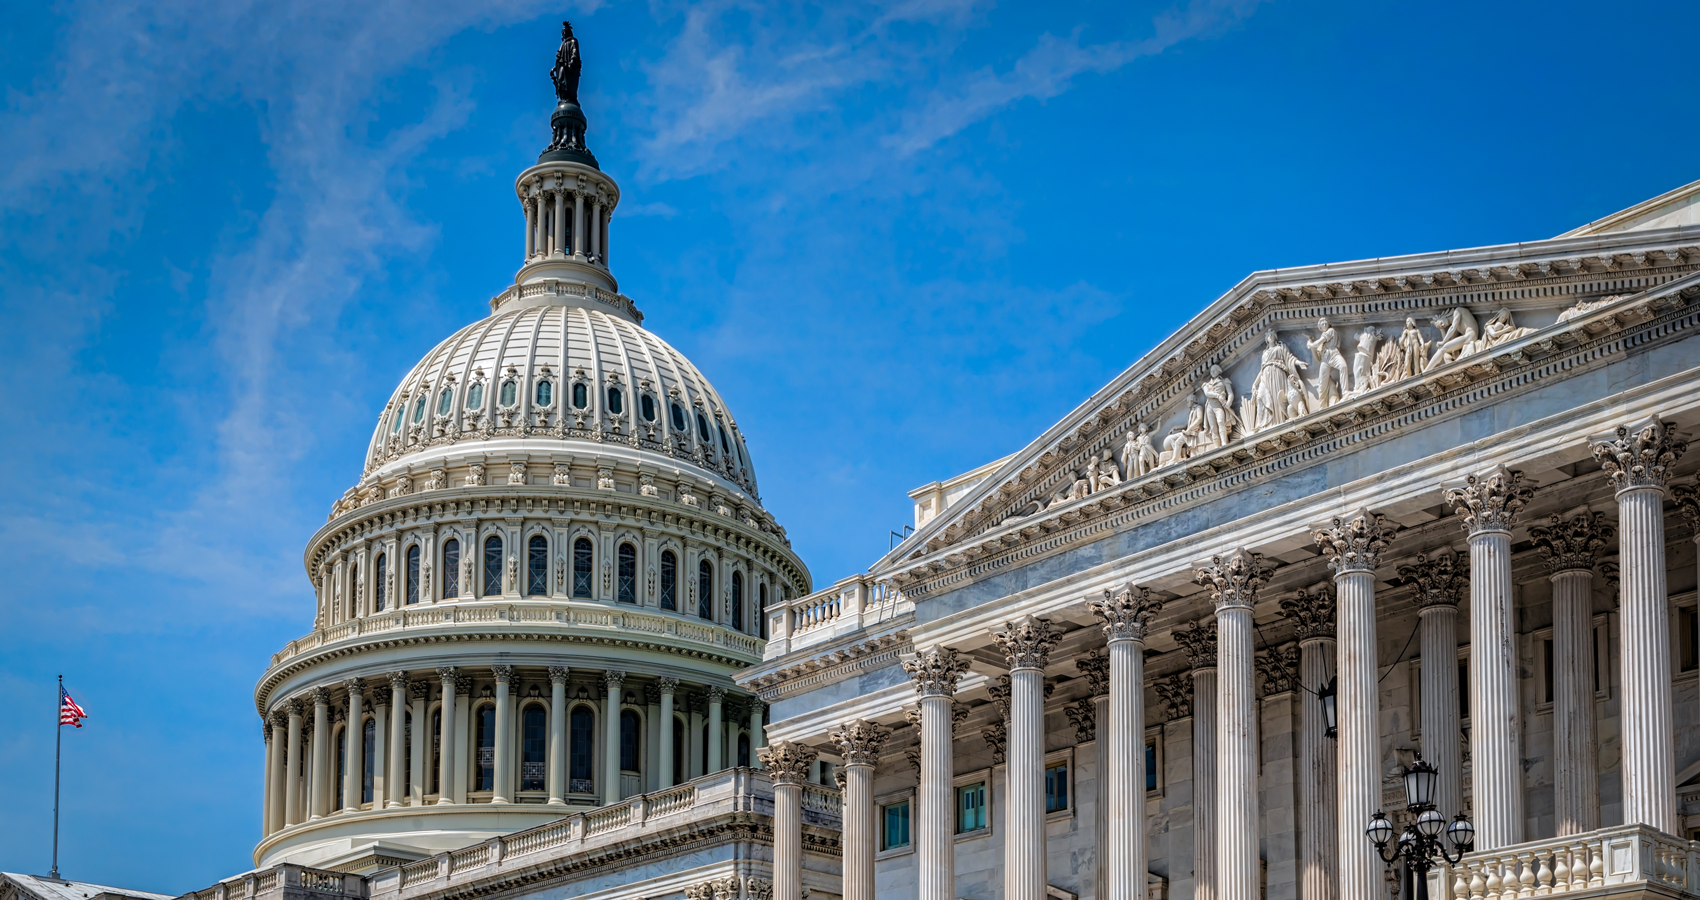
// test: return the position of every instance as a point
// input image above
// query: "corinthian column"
(1639, 459)
(1319, 846)
(1095, 665)
(1234, 580)
(1353, 545)
(613, 683)
(318, 798)
(354, 747)
(716, 729)
(860, 744)
(504, 766)
(1026, 645)
(1489, 503)
(1441, 581)
(395, 780)
(557, 772)
(788, 765)
(1126, 616)
(669, 687)
(1570, 547)
(935, 674)
(446, 740)
(1198, 639)
(277, 777)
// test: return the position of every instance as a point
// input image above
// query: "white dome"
(552, 378)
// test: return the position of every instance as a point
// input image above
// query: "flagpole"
(58, 742)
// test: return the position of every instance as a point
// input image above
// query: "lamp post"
(1420, 844)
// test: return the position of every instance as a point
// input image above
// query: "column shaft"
(787, 841)
(668, 687)
(1358, 708)
(421, 740)
(540, 240)
(611, 740)
(1319, 854)
(758, 732)
(319, 797)
(1576, 782)
(1236, 747)
(596, 229)
(578, 224)
(559, 248)
(716, 730)
(530, 232)
(1442, 734)
(936, 804)
(557, 738)
(275, 778)
(504, 742)
(446, 742)
(380, 754)
(1649, 764)
(860, 835)
(1125, 770)
(1204, 761)
(354, 755)
(1024, 845)
(1496, 735)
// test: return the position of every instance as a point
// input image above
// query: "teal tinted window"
(444, 401)
(1056, 788)
(475, 395)
(581, 396)
(646, 405)
(510, 393)
(395, 426)
(894, 826)
(616, 401)
(1150, 767)
(419, 409)
(971, 807)
(545, 393)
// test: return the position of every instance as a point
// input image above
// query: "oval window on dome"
(581, 396)
(475, 395)
(545, 393)
(725, 446)
(702, 427)
(678, 417)
(510, 393)
(616, 401)
(445, 400)
(395, 426)
(419, 410)
(646, 405)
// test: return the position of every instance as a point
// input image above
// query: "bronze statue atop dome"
(567, 67)
(567, 124)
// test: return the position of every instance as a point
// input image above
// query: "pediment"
(1668, 210)
(1257, 375)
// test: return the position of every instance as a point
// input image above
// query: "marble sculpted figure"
(1458, 336)
(1219, 418)
(1138, 456)
(1363, 362)
(1278, 371)
(1331, 365)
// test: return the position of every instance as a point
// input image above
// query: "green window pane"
(971, 807)
(894, 831)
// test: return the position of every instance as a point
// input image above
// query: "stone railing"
(558, 288)
(585, 616)
(733, 791)
(285, 882)
(1626, 857)
(851, 604)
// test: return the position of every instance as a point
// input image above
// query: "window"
(451, 568)
(533, 763)
(616, 401)
(738, 600)
(1464, 689)
(354, 578)
(537, 566)
(580, 743)
(646, 405)
(545, 393)
(1056, 788)
(395, 424)
(368, 752)
(705, 590)
(669, 580)
(679, 748)
(582, 553)
(378, 588)
(493, 566)
(1150, 765)
(484, 740)
(341, 767)
(678, 417)
(413, 574)
(419, 410)
(725, 446)
(628, 574)
(702, 427)
(1546, 670)
(1687, 654)
(761, 611)
(434, 759)
(581, 396)
(894, 825)
(475, 395)
(971, 807)
(743, 750)
(631, 746)
(407, 753)
(510, 392)
(445, 401)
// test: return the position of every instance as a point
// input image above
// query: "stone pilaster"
(1234, 580)
(1198, 640)
(1026, 645)
(420, 693)
(1312, 612)
(1489, 504)
(1571, 547)
(788, 765)
(860, 744)
(1638, 458)
(1441, 580)
(935, 674)
(1353, 544)
(1126, 616)
(557, 778)
(382, 694)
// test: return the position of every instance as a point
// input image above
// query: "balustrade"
(1626, 856)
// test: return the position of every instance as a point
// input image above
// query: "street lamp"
(1419, 844)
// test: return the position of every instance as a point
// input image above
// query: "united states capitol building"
(1182, 646)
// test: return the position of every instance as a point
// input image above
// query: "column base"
(499, 801)
(556, 801)
(445, 801)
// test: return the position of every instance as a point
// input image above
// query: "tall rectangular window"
(1546, 669)
(971, 807)
(1150, 765)
(451, 568)
(1056, 788)
(1687, 621)
(894, 825)
(1463, 689)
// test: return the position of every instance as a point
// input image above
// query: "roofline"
(1624, 215)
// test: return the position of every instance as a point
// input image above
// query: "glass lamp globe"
(1330, 712)
(1420, 782)
(1380, 831)
(1431, 823)
(1462, 833)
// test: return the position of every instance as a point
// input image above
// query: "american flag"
(69, 712)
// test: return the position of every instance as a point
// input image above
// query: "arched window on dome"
(646, 405)
(445, 401)
(679, 418)
(419, 410)
(368, 754)
(353, 604)
(413, 574)
(545, 392)
(510, 392)
(737, 601)
(705, 590)
(451, 568)
(484, 744)
(537, 566)
(627, 574)
(583, 557)
(581, 746)
(725, 445)
(631, 742)
(341, 766)
(581, 395)
(702, 427)
(616, 400)
(383, 569)
(493, 566)
(534, 741)
(761, 610)
(398, 416)
(475, 395)
(669, 580)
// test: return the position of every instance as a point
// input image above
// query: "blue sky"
(901, 240)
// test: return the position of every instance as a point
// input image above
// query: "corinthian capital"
(558, 674)
(355, 687)
(504, 674)
(1490, 502)
(1572, 543)
(1639, 456)
(1096, 667)
(787, 762)
(1027, 642)
(1198, 639)
(1353, 542)
(935, 672)
(1312, 612)
(860, 742)
(321, 696)
(1442, 579)
(1127, 614)
(398, 684)
(1233, 579)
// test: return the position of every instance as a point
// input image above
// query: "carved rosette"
(558, 674)
(1027, 642)
(1353, 543)
(1492, 501)
(1083, 715)
(1096, 667)
(1126, 615)
(1312, 612)
(788, 762)
(1640, 456)
(860, 742)
(1174, 696)
(1198, 639)
(1233, 579)
(1573, 543)
(935, 672)
(1442, 579)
